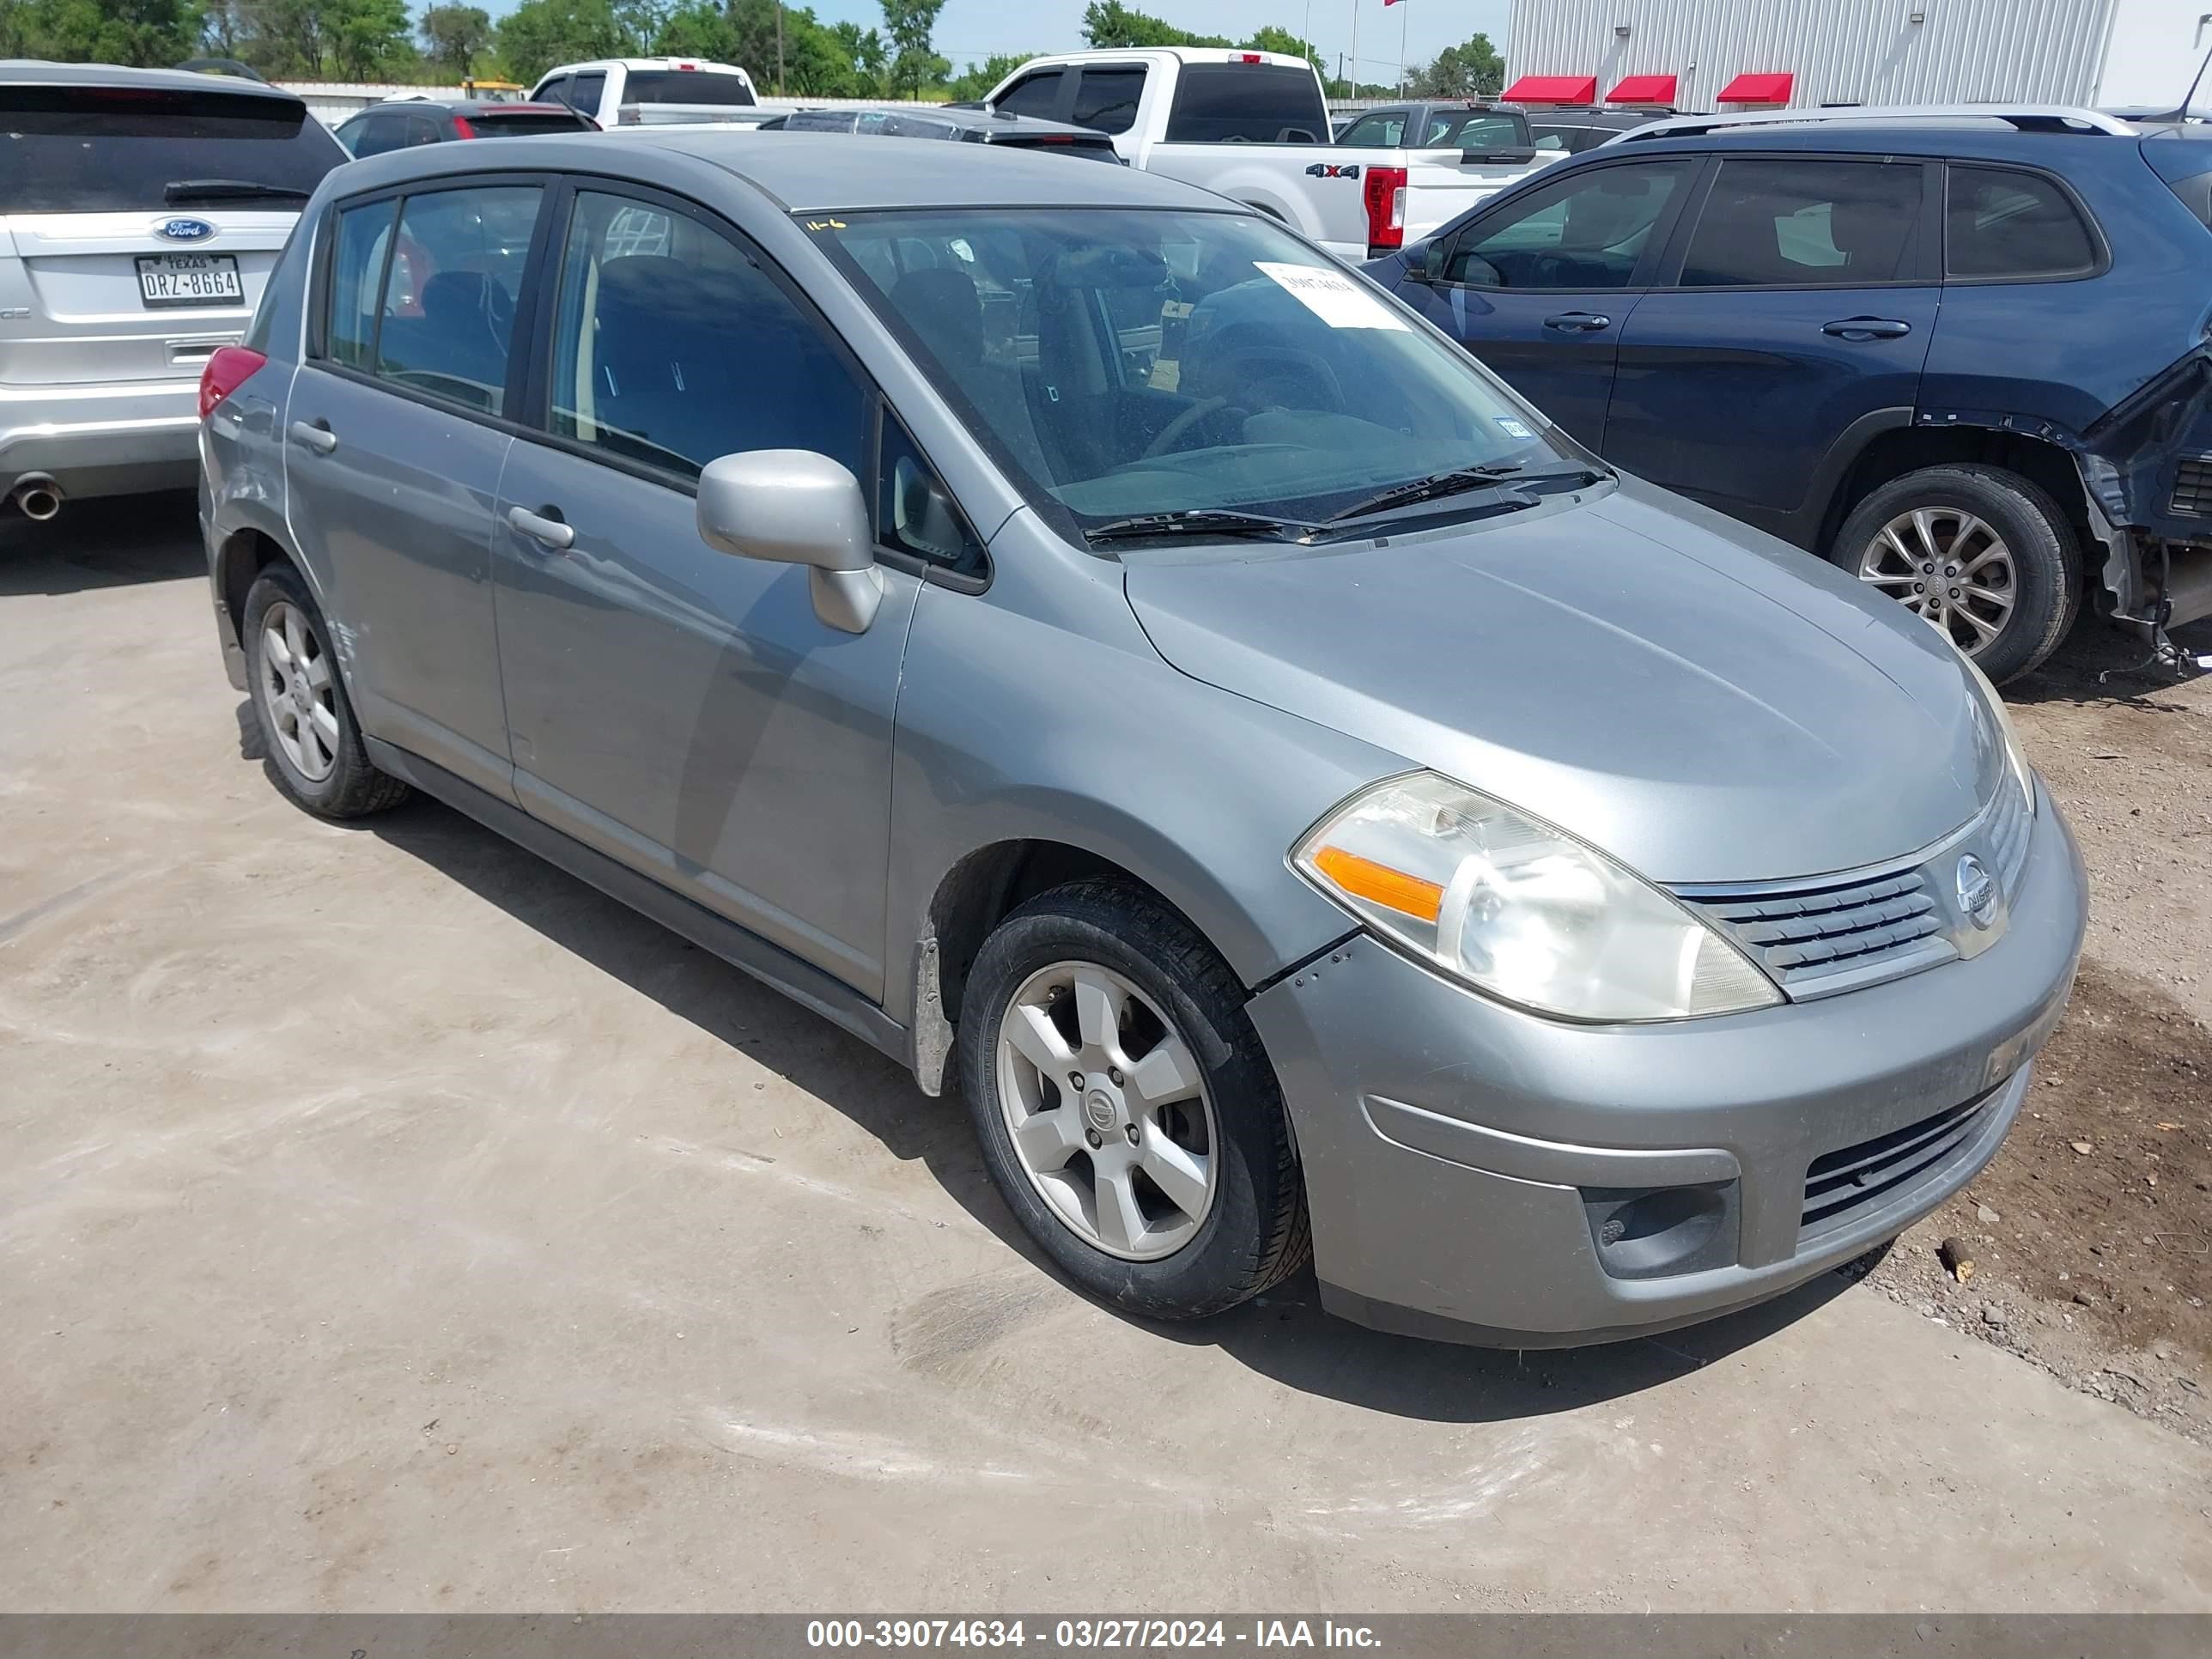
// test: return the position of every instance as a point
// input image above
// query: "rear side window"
(1793, 222)
(1035, 94)
(1254, 103)
(1107, 99)
(357, 252)
(112, 150)
(1379, 129)
(2000, 223)
(1449, 131)
(675, 86)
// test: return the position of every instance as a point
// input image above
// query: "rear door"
(1539, 286)
(143, 223)
(1803, 301)
(395, 438)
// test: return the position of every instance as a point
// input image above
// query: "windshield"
(115, 149)
(1122, 363)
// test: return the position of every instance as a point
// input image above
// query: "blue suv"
(1963, 357)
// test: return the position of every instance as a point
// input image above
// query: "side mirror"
(1433, 255)
(795, 507)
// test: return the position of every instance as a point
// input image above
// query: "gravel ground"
(2090, 1237)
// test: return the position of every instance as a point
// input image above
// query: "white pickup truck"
(1254, 126)
(649, 91)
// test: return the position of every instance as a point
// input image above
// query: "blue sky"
(972, 29)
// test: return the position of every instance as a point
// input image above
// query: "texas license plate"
(190, 279)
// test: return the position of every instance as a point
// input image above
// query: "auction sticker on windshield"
(1330, 296)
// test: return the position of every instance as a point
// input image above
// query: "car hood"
(1701, 701)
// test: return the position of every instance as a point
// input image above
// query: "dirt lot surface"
(388, 1221)
(2091, 1235)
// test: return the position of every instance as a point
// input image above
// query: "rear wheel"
(1984, 555)
(1124, 1107)
(313, 747)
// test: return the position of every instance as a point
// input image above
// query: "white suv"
(644, 91)
(141, 211)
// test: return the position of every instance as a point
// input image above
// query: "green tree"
(540, 34)
(454, 37)
(1466, 70)
(135, 32)
(914, 62)
(866, 55)
(972, 82)
(1110, 23)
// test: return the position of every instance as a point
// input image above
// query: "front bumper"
(1463, 1158)
(101, 439)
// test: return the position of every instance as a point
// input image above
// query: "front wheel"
(1984, 555)
(1124, 1107)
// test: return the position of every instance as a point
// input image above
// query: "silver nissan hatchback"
(1063, 628)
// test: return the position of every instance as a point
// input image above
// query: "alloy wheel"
(297, 691)
(1950, 568)
(1108, 1111)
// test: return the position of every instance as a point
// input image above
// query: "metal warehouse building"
(1740, 54)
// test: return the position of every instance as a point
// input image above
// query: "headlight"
(1520, 909)
(2015, 756)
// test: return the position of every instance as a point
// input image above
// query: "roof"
(991, 124)
(1976, 142)
(705, 64)
(29, 71)
(1173, 54)
(820, 172)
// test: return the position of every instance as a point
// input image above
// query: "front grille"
(1842, 1184)
(1815, 934)
(2192, 489)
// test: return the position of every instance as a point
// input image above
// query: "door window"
(1379, 129)
(1035, 94)
(554, 91)
(351, 134)
(584, 92)
(1793, 223)
(1459, 131)
(1999, 223)
(672, 348)
(447, 318)
(1107, 99)
(1584, 232)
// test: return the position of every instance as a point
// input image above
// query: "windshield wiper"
(1203, 521)
(225, 190)
(1458, 480)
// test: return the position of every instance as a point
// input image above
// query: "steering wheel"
(1182, 423)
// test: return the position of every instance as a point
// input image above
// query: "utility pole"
(1405, 21)
(779, 48)
(1355, 48)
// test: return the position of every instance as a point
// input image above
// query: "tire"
(1252, 1233)
(2043, 554)
(279, 609)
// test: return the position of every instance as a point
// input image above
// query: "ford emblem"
(184, 230)
(1978, 892)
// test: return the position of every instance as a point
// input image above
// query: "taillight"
(1384, 194)
(462, 128)
(227, 368)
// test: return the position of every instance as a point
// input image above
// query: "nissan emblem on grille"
(1978, 892)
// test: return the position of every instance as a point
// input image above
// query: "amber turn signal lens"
(1378, 884)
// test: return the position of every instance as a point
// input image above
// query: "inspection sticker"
(1330, 296)
(1513, 428)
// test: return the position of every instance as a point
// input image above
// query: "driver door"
(1539, 286)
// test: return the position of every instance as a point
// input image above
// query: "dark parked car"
(1578, 127)
(405, 123)
(1440, 126)
(1962, 356)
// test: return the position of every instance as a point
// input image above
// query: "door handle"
(1578, 322)
(540, 528)
(314, 435)
(1868, 328)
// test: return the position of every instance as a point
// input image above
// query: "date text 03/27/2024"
(1085, 1633)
